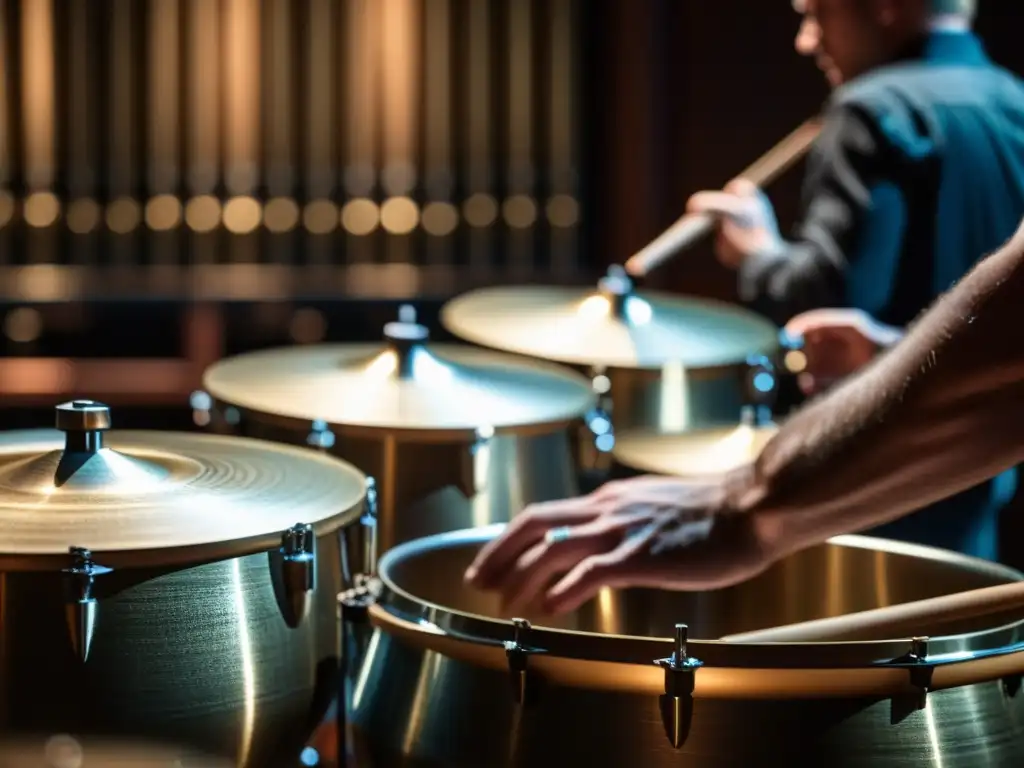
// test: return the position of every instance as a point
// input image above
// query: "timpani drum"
(447, 679)
(169, 586)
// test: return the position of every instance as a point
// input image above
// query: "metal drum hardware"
(665, 363)
(134, 565)
(82, 608)
(455, 436)
(603, 701)
(677, 702)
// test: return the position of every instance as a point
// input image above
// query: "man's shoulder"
(916, 84)
(908, 105)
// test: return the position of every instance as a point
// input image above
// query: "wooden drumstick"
(691, 227)
(921, 617)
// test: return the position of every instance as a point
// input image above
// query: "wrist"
(745, 496)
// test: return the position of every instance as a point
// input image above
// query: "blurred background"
(185, 179)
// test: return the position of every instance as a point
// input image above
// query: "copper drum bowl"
(445, 679)
(170, 587)
(456, 436)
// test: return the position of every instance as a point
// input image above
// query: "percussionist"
(939, 412)
(919, 170)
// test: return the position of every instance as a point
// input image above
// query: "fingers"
(539, 565)
(742, 188)
(523, 532)
(600, 570)
(823, 320)
(719, 204)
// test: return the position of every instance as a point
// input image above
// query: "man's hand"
(747, 221)
(658, 532)
(837, 342)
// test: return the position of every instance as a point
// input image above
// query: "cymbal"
(148, 498)
(642, 330)
(66, 752)
(403, 384)
(692, 454)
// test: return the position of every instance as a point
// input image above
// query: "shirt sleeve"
(810, 272)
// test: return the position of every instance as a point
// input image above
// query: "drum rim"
(461, 331)
(434, 619)
(297, 420)
(344, 516)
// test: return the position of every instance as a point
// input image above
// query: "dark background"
(668, 97)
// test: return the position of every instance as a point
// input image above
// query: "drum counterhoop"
(597, 680)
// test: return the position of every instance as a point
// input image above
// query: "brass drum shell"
(199, 656)
(434, 687)
(428, 486)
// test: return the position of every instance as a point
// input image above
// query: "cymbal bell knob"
(83, 422)
(616, 287)
(404, 336)
(407, 313)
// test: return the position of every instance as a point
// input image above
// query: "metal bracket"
(518, 653)
(369, 523)
(320, 436)
(762, 386)
(81, 608)
(298, 572)
(353, 637)
(920, 670)
(677, 702)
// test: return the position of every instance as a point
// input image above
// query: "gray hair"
(958, 7)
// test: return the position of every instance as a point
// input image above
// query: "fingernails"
(471, 574)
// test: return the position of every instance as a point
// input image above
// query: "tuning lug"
(81, 608)
(677, 702)
(298, 572)
(368, 521)
(920, 669)
(518, 653)
(761, 390)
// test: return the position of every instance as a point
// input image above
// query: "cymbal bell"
(699, 453)
(148, 498)
(611, 327)
(404, 384)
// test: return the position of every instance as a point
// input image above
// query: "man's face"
(845, 37)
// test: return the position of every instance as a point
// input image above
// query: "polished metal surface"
(413, 705)
(171, 587)
(582, 327)
(201, 656)
(695, 453)
(440, 388)
(662, 362)
(63, 751)
(143, 498)
(457, 437)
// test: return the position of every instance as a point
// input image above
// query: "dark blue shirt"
(918, 173)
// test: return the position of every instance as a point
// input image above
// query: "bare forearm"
(940, 412)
